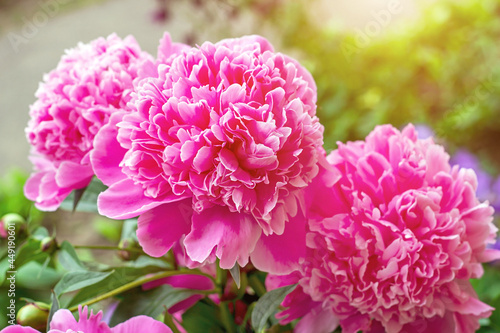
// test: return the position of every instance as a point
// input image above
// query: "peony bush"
(236, 218)
(396, 251)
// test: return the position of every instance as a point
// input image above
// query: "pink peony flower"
(219, 148)
(64, 322)
(75, 100)
(402, 235)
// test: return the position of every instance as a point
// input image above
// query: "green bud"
(48, 245)
(12, 219)
(34, 315)
(125, 246)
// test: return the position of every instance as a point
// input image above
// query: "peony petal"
(317, 321)
(73, 175)
(281, 254)
(234, 235)
(124, 199)
(32, 186)
(63, 320)
(168, 50)
(18, 329)
(107, 154)
(193, 282)
(140, 324)
(160, 227)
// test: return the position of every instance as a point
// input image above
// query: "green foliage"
(150, 303)
(12, 199)
(442, 70)
(267, 306)
(202, 318)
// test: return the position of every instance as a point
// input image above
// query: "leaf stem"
(140, 282)
(105, 247)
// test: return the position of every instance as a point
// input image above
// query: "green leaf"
(129, 229)
(53, 308)
(235, 273)
(149, 303)
(40, 233)
(68, 257)
(33, 276)
(75, 280)
(84, 200)
(4, 267)
(77, 196)
(267, 305)
(119, 277)
(487, 287)
(29, 251)
(202, 318)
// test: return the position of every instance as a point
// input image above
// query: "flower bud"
(34, 315)
(127, 247)
(10, 223)
(48, 245)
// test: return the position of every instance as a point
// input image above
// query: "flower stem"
(220, 282)
(140, 282)
(104, 247)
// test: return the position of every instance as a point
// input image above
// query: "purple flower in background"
(424, 131)
(495, 188)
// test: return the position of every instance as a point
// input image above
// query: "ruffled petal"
(63, 320)
(140, 324)
(233, 235)
(18, 329)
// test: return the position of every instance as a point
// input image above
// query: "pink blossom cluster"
(76, 99)
(396, 246)
(63, 321)
(218, 152)
(219, 148)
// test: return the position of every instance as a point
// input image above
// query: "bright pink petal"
(108, 153)
(278, 281)
(193, 282)
(125, 199)
(32, 186)
(319, 194)
(140, 324)
(167, 50)
(73, 175)
(42, 188)
(18, 329)
(63, 320)
(281, 254)
(160, 227)
(318, 321)
(234, 235)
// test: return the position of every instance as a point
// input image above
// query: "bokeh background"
(434, 63)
